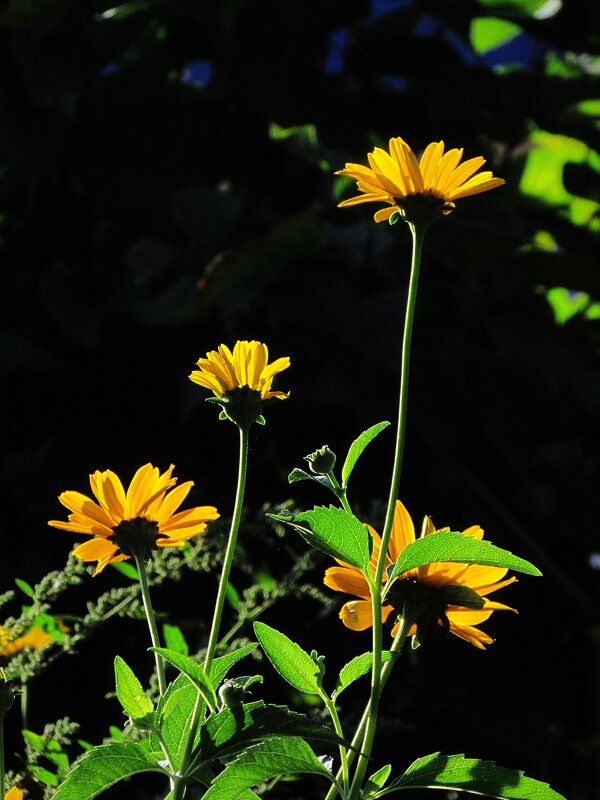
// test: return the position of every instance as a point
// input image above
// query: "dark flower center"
(136, 536)
(425, 604)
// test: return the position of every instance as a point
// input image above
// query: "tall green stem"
(213, 638)
(399, 639)
(143, 576)
(229, 553)
(1, 756)
(418, 234)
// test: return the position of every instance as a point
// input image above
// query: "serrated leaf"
(332, 531)
(192, 669)
(356, 668)
(292, 662)
(221, 666)
(130, 693)
(457, 547)
(174, 639)
(104, 766)
(175, 710)
(262, 762)
(233, 729)
(472, 775)
(357, 447)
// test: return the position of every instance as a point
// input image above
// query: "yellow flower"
(139, 520)
(14, 793)
(397, 177)
(35, 638)
(223, 371)
(433, 582)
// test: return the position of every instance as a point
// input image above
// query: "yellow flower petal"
(150, 498)
(396, 176)
(223, 371)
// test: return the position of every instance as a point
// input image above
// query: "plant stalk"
(149, 611)
(179, 790)
(418, 234)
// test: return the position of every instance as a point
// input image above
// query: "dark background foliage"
(167, 185)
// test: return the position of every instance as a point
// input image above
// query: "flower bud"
(321, 461)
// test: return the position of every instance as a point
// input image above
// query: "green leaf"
(457, 547)
(233, 729)
(355, 669)
(300, 475)
(135, 702)
(175, 710)
(25, 588)
(126, 569)
(292, 662)
(232, 595)
(377, 780)
(487, 33)
(333, 531)
(192, 669)
(104, 766)
(357, 447)
(472, 775)
(221, 666)
(174, 639)
(262, 762)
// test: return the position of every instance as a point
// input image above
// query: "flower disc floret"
(418, 190)
(452, 595)
(145, 513)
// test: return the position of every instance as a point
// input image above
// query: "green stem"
(340, 492)
(229, 553)
(143, 576)
(179, 790)
(373, 705)
(330, 705)
(2, 756)
(418, 235)
(396, 647)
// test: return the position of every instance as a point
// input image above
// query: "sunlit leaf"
(104, 766)
(333, 531)
(174, 639)
(130, 692)
(356, 668)
(457, 547)
(292, 662)
(231, 730)
(357, 447)
(487, 33)
(221, 666)
(263, 761)
(192, 669)
(472, 775)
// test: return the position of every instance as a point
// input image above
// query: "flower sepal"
(136, 537)
(243, 406)
(422, 209)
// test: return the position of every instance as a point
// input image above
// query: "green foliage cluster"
(166, 172)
